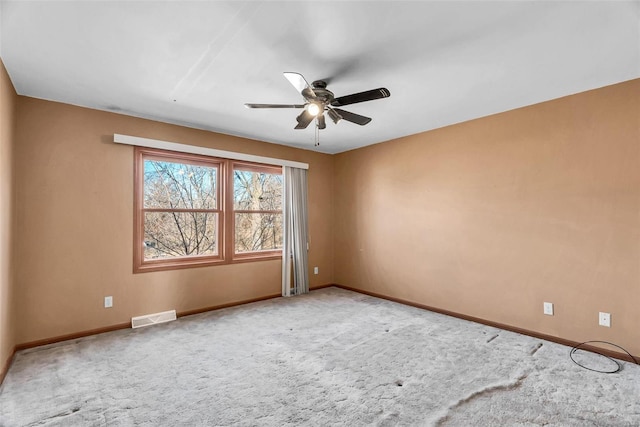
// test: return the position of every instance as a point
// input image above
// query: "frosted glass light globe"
(313, 109)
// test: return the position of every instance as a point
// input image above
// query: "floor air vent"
(152, 319)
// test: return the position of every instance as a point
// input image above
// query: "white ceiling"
(444, 62)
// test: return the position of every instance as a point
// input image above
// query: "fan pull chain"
(317, 134)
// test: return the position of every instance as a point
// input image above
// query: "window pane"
(257, 191)
(179, 185)
(258, 232)
(179, 234)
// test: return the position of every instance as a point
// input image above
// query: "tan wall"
(75, 222)
(492, 217)
(487, 218)
(7, 109)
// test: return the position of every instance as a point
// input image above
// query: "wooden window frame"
(224, 207)
(258, 168)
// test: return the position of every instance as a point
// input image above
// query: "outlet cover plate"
(604, 319)
(548, 308)
(108, 302)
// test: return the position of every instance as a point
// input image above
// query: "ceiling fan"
(318, 100)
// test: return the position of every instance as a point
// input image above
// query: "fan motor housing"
(323, 95)
(319, 84)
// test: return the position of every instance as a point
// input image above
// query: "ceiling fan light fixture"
(313, 108)
(333, 115)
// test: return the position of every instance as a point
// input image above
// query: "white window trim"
(193, 149)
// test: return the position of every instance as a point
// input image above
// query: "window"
(193, 210)
(257, 204)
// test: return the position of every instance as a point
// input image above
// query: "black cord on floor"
(574, 349)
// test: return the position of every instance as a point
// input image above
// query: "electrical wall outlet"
(548, 308)
(108, 302)
(315, 270)
(604, 319)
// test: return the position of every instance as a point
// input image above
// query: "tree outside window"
(257, 203)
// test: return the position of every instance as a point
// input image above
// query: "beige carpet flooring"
(330, 358)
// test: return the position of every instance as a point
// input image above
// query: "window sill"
(253, 257)
(179, 265)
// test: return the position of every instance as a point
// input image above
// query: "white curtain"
(295, 239)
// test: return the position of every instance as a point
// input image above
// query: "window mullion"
(229, 223)
(180, 210)
(257, 211)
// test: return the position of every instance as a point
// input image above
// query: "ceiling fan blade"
(299, 82)
(274, 105)
(322, 123)
(353, 117)
(368, 95)
(304, 119)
